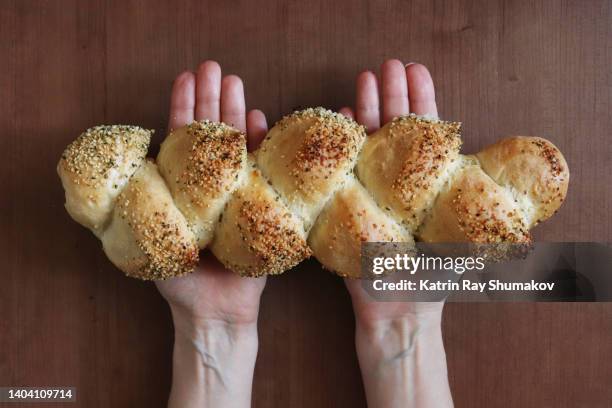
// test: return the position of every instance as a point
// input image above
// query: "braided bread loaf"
(317, 186)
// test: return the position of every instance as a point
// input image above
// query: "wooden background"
(67, 317)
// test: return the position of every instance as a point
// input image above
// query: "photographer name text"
(464, 285)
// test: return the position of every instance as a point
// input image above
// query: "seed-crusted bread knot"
(316, 186)
(148, 237)
(407, 162)
(202, 164)
(307, 155)
(257, 233)
(97, 166)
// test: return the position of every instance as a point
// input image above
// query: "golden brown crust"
(405, 164)
(350, 219)
(148, 237)
(95, 168)
(257, 234)
(533, 169)
(263, 221)
(202, 163)
(473, 208)
(307, 155)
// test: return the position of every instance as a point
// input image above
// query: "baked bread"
(316, 186)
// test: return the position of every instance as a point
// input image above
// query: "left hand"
(214, 294)
(399, 344)
(214, 310)
(405, 89)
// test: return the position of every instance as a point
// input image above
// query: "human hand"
(399, 344)
(405, 89)
(213, 293)
(214, 310)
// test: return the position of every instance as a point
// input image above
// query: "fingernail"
(410, 63)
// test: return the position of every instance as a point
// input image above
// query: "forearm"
(213, 364)
(403, 363)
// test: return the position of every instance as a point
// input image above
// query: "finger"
(182, 101)
(257, 127)
(421, 91)
(232, 102)
(208, 91)
(394, 90)
(368, 109)
(348, 112)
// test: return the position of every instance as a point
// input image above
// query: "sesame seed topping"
(215, 158)
(549, 153)
(483, 224)
(267, 228)
(433, 146)
(271, 233)
(331, 143)
(169, 247)
(101, 149)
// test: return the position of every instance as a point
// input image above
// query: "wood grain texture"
(501, 67)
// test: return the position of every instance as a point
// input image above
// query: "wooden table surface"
(68, 317)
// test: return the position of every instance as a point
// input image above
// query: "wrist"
(190, 327)
(189, 324)
(384, 316)
(402, 361)
(396, 339)
(381, 339)
(410, 324)
(213, 362)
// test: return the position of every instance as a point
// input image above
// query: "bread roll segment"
(473, 208)
(148, 237)
(257, 234)
(405, 164)
(533, 169)
(202, 164)
(307, 155)
(299, 195)
(350, 219)
(95, 168)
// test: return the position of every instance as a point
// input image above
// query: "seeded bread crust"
(306, 156)
(202, 164)
(257, 234)
(148, 237)
(317, 186)
(96, 167)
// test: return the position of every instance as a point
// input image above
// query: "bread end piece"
(473, 208)
(96, 167)
(534, 170)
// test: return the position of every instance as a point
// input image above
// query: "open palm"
(212, 292)
(405, 89)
